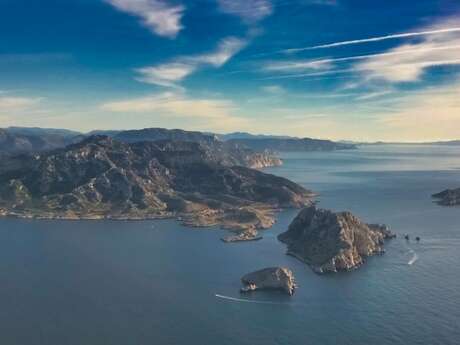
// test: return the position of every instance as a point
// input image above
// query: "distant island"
(332, 242)
(104, 178)
(448, 197)
(291, 144)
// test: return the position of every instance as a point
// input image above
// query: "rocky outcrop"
(331, 242)
(449, 197)
(102, 178)
(272, 278)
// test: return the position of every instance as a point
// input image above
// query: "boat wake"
(414, 257)
(234, 299)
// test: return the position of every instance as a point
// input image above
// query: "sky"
(362, 70)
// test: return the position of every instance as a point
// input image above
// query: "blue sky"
(339, 69)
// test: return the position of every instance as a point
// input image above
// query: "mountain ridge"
(101, 178)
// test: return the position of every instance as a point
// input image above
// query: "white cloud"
(248, 10)
(408, 62)
(171, 73)
(160, 17)
(11, 104)
(165, 75)
(410, 66)
(327, 64)
(172, 103)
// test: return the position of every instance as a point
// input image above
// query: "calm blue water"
(94, 283)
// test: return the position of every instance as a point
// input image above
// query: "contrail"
(372, 39)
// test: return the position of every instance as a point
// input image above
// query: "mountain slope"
(104, 178)
(230, 153)
(17, 139)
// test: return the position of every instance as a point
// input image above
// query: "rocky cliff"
(449, 197)
(272, 278)
(331, 242)
(104, 178)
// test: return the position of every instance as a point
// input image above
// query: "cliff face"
(449, 197)
(331, 242)
(103, 178)
(272, 278)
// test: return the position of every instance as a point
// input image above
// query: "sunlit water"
(93, 283)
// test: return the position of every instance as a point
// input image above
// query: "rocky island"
(449, 197)
(272, 278)
(331, 242)
(103, 178)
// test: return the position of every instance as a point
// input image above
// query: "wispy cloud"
(405, 63)
(159, 16)
(249, 10)
(274, 89)
(374, 94)
(425, 116)
(296, 65)
(12, 104)
(209, 113)
(408, 62)
(165, 75)
(328, 63)
(171, 73)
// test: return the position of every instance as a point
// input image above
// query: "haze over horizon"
(335, 69)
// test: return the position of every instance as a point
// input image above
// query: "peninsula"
(103, 178)
(448, 197)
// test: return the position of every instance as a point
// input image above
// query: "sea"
(157, 282)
